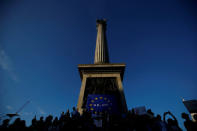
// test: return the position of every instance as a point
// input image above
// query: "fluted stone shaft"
(101, 51)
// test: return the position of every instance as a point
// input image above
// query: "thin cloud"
(5, 64)
(9, 107)
(26, 113)
(41, 111)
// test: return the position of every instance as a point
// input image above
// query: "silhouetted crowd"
(102, 122)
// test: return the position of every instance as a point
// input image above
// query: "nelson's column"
(101, 87)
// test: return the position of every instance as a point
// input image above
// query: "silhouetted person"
(34, 124)
(18, 125)
(150, 113)
(75, 114)
(159, 125)
(172, 124)
(189, 125)
(5, 125)
(56, 124)
(67, 113)
(23, 125)
(39, 125)
(195, 121)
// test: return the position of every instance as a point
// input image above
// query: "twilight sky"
(41, 43)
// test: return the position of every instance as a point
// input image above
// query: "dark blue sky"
(41, 43)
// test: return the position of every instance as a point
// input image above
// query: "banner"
(191, 105)
(140, 110)
(102, 103)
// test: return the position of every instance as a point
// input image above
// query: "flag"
(98, 103)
